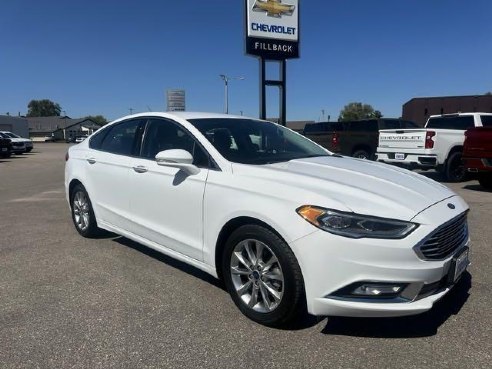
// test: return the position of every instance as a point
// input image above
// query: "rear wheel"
(262, 276)
(455, 168)
(486, 182)
(362, 154)
(82, 212)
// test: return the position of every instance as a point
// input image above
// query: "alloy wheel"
(81, 210)
(257, 275)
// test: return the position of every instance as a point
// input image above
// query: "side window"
(164, 135)
(486, 120)
(123, 138)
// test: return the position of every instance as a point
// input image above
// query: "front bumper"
(18, 149)
(330, 263)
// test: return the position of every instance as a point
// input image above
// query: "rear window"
(362, 126)
(408, 124)
(460, 123)
(486, 120)
(323, 127)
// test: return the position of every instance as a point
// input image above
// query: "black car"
(5, 147)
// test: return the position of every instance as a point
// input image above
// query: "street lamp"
(226, 80)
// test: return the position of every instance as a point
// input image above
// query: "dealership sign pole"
(272, 34)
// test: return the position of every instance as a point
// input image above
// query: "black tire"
(455, 168)
(292, 302)
(486, 182)
(362, 154)
(89, 227)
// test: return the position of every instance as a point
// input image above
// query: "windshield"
(249, 141)
(3, 135)
(11, 135)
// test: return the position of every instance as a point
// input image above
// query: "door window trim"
(212, 164)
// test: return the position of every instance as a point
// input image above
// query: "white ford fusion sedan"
(285, 223)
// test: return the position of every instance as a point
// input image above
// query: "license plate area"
(459, 263)
(399, 156)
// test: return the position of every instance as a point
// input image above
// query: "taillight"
(334, 139)
(429, 142)
(67, 156)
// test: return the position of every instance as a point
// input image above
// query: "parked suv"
(354, 138)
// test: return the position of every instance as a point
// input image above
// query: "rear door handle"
(91, 161)
(140, 169)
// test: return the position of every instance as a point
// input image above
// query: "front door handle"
(91, 161)
(140, 169)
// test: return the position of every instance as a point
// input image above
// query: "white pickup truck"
(437, 146)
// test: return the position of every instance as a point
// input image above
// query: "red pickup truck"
(477, 154)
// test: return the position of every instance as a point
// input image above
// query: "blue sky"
(104, 57)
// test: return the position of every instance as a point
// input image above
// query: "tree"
(43, 108)
(357, 111)
(99, 119)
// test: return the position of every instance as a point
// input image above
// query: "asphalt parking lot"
(70, 302)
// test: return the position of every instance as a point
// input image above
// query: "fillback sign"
(272, 28)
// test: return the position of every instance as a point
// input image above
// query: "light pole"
(226, 80)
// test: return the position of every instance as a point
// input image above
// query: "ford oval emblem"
(451, 206)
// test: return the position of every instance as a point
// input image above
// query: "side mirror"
(177, 158)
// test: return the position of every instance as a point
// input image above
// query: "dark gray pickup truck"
(354, 138)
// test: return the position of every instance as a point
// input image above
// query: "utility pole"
(131, 111)
(226, 80)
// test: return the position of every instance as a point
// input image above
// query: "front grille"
(445, 240)
(17, 144)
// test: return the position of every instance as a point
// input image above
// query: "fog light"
(375, 290)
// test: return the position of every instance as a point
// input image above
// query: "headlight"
(354, 225)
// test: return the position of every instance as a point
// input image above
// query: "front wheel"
(82, 213)
(262, 276)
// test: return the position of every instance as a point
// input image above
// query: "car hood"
(17, 139)
(349, 184)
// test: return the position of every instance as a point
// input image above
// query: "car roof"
(185, 115)
(458, 115)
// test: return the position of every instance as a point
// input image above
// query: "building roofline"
(445, 97)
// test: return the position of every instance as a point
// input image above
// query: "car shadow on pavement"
(475, 187)
(305, 321)
(422, 325)
(436, 176)
(186, 268)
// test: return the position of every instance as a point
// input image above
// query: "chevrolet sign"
(272, 28)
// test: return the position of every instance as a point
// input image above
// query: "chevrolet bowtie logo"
(273, 8)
